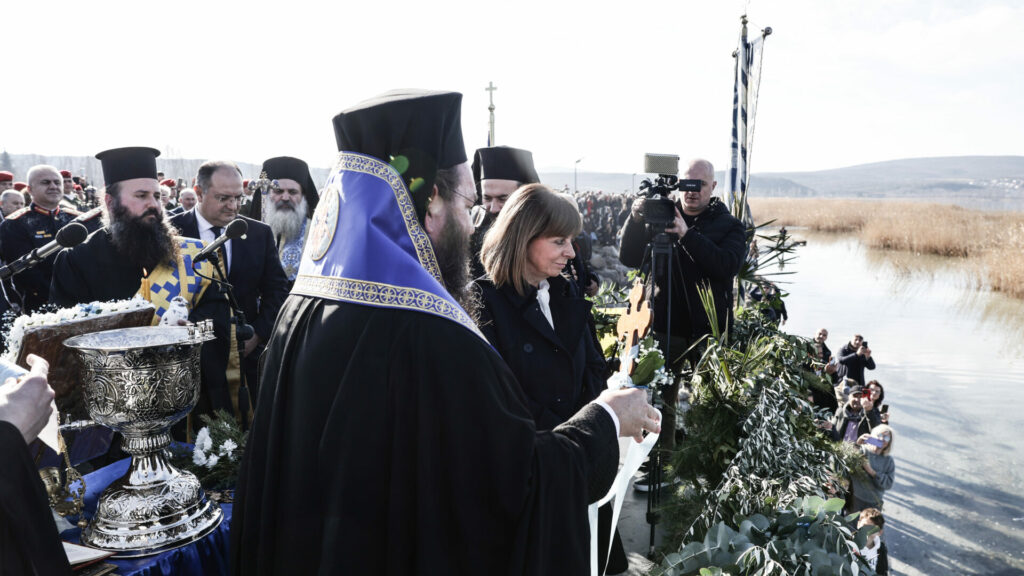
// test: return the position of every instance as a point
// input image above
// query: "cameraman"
(708, 246)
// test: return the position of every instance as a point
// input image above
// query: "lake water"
(951, 359)
(1007, 203)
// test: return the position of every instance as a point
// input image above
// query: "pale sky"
(844, 81)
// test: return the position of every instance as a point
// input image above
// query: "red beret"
(77, 187)
(6, 176)
(19, 186)
(169, 182)
(65, 173)
(245, 184)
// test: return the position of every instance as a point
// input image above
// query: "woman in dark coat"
(531, 316)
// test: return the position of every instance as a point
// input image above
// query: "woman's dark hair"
(881, 391)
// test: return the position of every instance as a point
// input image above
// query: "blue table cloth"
(205, 557)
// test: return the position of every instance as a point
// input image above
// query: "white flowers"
(29, 322)
(204, 446)
(203, 440)
(619, 380)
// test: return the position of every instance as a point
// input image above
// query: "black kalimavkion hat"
(503, 163)
(121, 164)
(417, 131)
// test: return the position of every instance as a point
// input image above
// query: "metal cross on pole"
(490, 133)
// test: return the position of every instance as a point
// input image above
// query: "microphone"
(71, 235)
(234, 230)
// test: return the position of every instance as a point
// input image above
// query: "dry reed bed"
(993, 240)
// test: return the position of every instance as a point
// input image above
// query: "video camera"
(658, 210)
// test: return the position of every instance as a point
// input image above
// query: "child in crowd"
(875, 552)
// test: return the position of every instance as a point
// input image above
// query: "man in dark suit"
(253, 267)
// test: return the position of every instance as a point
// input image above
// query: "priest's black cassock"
(29, 542)
(389, 437)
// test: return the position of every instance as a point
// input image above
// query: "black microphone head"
(71, 235)
(236, 228)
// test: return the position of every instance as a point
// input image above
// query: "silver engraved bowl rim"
(123, 339)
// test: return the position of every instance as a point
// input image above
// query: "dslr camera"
(658, 210)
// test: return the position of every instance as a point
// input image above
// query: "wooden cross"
(633, 326)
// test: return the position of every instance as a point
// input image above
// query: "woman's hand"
(868, 468)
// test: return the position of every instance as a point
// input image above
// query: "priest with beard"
(498, 171)
(287, 208)
(139, 253)
(389, 437)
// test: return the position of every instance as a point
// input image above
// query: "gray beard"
(286, 224)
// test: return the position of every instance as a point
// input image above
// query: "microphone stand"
(243, 331)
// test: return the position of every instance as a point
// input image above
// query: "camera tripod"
(661, 254)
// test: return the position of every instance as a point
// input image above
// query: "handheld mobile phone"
(884, 409)
(874, 441)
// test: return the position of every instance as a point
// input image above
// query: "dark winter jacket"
(709, 254)
(845, 415)
(559, 370)
(852, 365)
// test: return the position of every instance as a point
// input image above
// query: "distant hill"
(988, 176)
(918, 176)
(994, 176)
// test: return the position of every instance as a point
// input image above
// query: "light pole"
(575, 170)
(634, 183)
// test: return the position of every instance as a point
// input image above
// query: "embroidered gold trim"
(384, 171)
(375, 293)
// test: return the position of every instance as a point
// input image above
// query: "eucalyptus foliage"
(751, 453)
(807, 537)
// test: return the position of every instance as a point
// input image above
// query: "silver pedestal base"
(154, 507)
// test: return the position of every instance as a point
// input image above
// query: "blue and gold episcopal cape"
(164, 283)
(366, 246)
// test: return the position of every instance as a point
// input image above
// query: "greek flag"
(744, 108)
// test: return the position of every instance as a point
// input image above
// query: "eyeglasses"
(472, 199)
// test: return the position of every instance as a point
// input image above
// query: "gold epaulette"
(17, 214)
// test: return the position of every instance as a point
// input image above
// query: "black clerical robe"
(29, 542)
(94, 271)
(396, 442)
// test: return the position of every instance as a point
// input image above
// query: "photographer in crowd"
(854, 357)
(708, 247)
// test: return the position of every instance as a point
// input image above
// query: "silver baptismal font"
(139, 382)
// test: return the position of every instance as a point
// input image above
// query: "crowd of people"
(604, 214)
(356, 322)
(859, 416)
(369, 354)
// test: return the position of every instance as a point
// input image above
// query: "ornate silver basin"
(139, 382)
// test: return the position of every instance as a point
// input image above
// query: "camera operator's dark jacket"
(710, 253)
